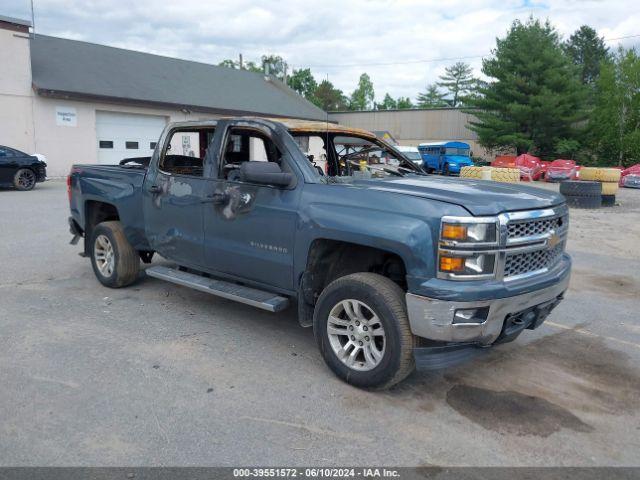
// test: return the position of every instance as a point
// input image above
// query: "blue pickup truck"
(385, 261)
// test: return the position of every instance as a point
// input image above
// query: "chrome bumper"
(433, 319)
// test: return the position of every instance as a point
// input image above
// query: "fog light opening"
(471, 315)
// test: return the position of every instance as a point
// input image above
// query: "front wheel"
(362, 329)
(24, 179)
(115, 262)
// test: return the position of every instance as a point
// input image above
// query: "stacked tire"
(581, 194)
(505, 175)
(608, 178)
(471, 172)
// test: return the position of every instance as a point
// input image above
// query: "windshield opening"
(343, 155)
(460, 152)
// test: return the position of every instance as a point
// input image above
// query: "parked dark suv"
(20, 170)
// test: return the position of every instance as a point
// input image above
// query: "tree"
(404, 103)
(614, 125)
(274, 65)
(587, 51)
(329, 98)
(250, 66)
(432, 98)
(228, 63)
(363, 96)
(534, 96)
(457, 81)
(388, 103)
(303, 82)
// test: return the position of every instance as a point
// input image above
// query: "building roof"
(15, 21)
(74, 69)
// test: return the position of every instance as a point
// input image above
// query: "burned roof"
(73, 69)
(306, 126)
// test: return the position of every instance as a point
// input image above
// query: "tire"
(376, 295)
(580, 188)
(609, 188)
(577, 201)
(24, 179)
(471, 172)
(505, 175)
(600, 174)
(124, 261)
(608, 200)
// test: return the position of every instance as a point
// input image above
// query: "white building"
(77, 102)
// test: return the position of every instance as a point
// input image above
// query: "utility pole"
(33, 20)
(240, 63)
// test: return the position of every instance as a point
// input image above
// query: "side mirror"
(264, 173)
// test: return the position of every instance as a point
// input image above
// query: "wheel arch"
(95, 212)
(328, 259)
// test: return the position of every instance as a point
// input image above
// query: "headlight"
(466, 264)
(460, 254)
(482, 231)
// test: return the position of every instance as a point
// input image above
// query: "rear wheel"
(115, 262)
(24, 179)
(361, 327)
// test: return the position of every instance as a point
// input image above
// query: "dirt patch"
(512, 412)
(616, 285)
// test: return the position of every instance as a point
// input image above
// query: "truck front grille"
(527, 262)
(521, 229)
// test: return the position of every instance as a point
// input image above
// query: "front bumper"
(432, 318)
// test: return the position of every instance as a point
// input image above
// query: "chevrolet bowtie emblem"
(553, 240)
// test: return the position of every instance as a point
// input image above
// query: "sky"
(403, 45)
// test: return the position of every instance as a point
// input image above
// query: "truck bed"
(117, 186)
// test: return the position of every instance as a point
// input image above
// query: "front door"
(250, 233)
(173, 195)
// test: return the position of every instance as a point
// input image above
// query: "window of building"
(131, 145)
(152, 145)
(106, 144)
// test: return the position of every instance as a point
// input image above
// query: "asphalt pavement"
(157, 374)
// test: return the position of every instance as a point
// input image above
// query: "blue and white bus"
(445, 157)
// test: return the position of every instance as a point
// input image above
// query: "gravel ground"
(156, 374)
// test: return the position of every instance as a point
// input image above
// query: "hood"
(479, 197)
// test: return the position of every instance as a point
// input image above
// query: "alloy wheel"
(104, 255)
(356, 335)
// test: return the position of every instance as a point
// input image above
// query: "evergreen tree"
(458, 81)
(534, 97)
(432, 98)
(404, 103)
(614, 126)
(329, 98)
(363, 96)
(388, 103)
(587, 51)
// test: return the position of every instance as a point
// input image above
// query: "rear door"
(173, 194)
(250, 235)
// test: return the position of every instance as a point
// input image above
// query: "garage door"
(124, 135)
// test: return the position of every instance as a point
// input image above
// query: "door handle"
(154, 189)
(217, 198)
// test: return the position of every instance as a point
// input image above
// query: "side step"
(231, 291)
